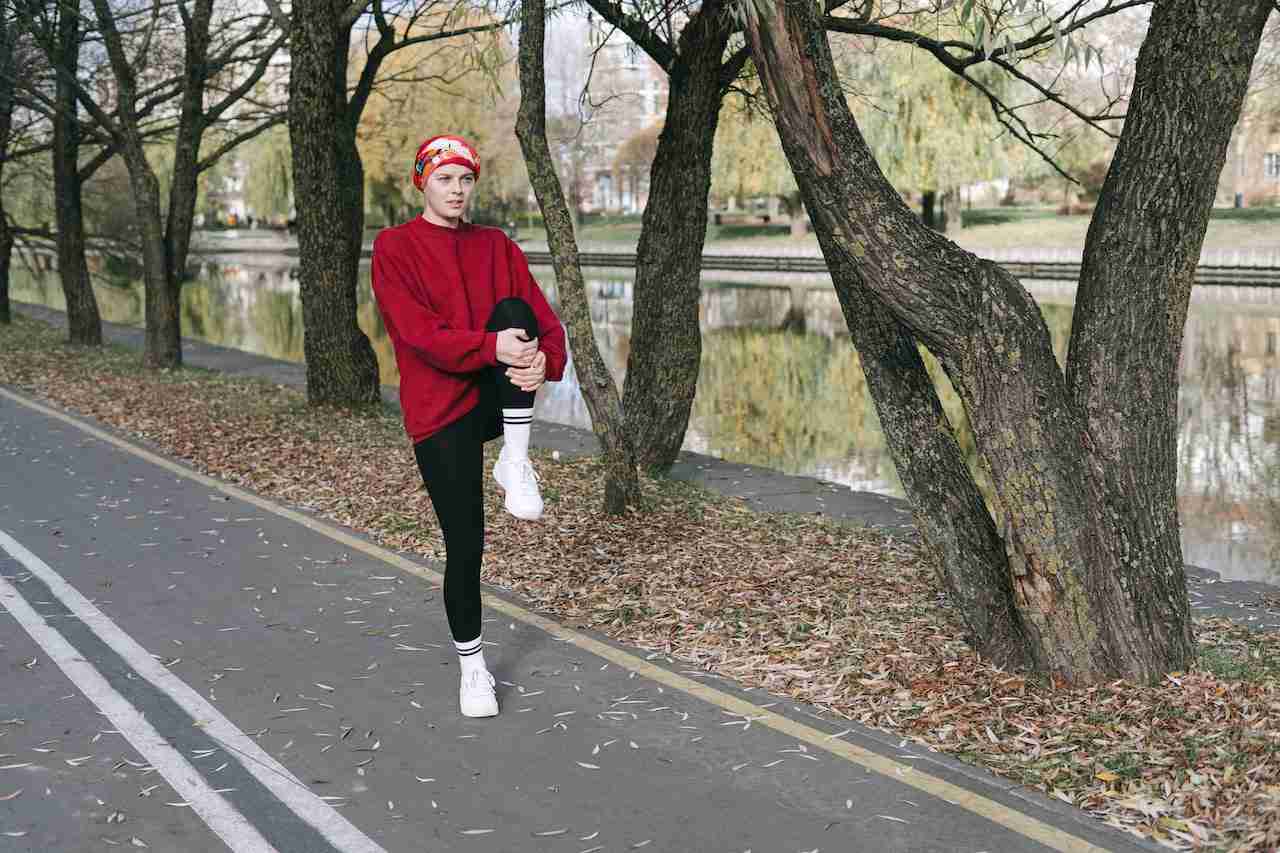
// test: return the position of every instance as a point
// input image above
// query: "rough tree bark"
(1092, 581)
(948, 509)
(621, 483)
(666, 348)
(1138, 268)
(192, 123)
(328, 179)
(84, 322)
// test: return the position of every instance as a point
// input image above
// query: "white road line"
(221, 816)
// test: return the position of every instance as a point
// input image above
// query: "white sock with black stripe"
(470, 656)
(515, 433)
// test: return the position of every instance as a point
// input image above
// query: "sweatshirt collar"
(431, 228)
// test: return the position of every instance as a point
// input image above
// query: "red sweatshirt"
(436, 288)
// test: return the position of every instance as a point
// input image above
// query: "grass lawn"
(805, 607)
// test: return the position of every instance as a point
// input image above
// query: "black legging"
(452, 466)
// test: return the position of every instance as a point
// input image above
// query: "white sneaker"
(476, 697)
(520, 484)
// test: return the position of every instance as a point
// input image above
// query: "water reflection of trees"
(796, 400)
(789, 401)
(118, 302)
(1229, 442)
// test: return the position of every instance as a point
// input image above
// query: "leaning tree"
(1078, 571)
(621, 483)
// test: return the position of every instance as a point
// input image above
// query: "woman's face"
(447, 191)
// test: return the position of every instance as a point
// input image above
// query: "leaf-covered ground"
(820, 611)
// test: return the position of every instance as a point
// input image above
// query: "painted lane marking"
(223, 819)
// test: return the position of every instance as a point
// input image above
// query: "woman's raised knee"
(513, 313)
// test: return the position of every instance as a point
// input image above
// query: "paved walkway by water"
(198, 668)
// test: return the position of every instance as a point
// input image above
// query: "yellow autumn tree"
(462, 87)
(748, 161)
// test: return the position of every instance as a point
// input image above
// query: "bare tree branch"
(1091, 120)
(278, 14)
(383, 49)
(1041, 38)
(144, 49)
(239, 139)
(959, 56)
(95, 163)
(380, 19)
(239, 92)
(636, 29)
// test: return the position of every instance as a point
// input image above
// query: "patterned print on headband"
(441, 151)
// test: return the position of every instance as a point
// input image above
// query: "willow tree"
(747, 161)
(930, 129)
(1081, 573)
(269, 179)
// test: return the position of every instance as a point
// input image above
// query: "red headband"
(441, 151)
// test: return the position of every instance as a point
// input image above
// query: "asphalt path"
(187, 667)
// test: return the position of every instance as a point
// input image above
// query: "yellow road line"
(1025, 825)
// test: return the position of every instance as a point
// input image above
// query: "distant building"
(627, 96)
(1251, 175)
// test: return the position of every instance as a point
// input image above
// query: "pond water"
(796, 400)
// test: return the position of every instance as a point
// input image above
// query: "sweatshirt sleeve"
(551, 339)
(420, 328)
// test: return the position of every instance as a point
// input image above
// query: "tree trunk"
(1077, 576)
(7, 40)
(950, 216)
(1139, 264)
(666, 341)
(84, 323)
(186, 149)
(163, 341)
(928, 209)
(948, 509)
(328, 180)
(6, 253)
(163, 337)
(621, 484)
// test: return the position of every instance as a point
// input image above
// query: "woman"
(474, 339)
